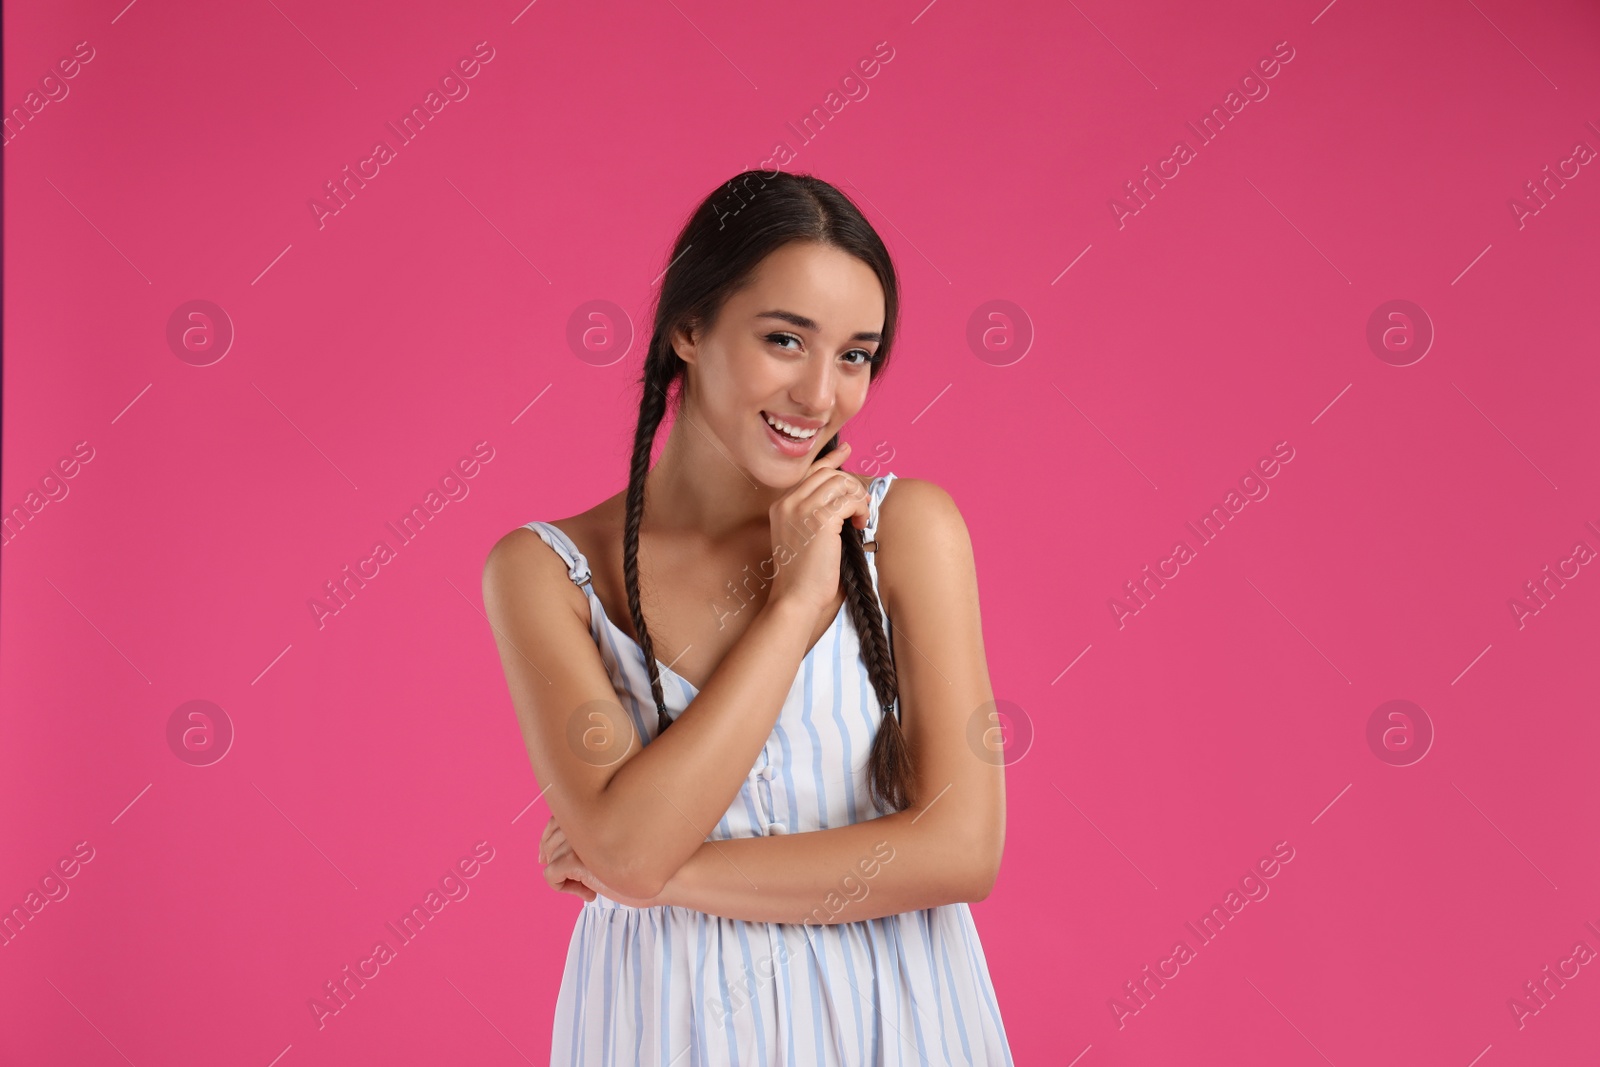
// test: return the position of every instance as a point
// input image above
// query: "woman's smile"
(795, 443)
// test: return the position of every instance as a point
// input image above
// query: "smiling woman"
(722, 831)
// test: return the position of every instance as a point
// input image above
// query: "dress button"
(766, 772)
(776, 828)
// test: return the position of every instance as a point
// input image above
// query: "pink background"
(431, 312)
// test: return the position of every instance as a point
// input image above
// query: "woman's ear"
(683, 343)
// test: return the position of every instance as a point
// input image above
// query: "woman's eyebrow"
(807, 324)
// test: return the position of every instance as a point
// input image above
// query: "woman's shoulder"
(588, 527)
(521, 555)
(919, 508)
(911, 494)
(922, 541)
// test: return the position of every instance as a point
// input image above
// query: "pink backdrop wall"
(1151, 353)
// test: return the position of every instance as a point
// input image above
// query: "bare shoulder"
(922, 537)
(522, 549)
(915, 504)
(522, 567)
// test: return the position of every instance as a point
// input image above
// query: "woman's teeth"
(792, 432)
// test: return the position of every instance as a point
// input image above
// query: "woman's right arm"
(634, 813)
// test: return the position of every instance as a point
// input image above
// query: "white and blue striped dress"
(674, 986)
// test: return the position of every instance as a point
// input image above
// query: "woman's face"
(795, 344)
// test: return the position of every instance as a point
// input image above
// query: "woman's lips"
(787, 445)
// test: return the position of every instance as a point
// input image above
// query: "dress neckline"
(694, 690)
(581, 562)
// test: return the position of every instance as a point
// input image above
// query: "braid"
(659, 373)
(889, 771)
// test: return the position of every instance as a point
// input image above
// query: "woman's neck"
(697, 487)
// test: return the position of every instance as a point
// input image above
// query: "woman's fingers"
(550, 828)
(563, 870)
(560, 870)
(567, 875)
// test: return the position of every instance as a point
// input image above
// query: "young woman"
(776, 828)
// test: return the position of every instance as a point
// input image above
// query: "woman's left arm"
(946, 847)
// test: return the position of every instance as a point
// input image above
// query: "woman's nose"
(814, 390)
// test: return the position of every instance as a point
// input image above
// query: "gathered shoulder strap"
(869, 536)
(577, 565)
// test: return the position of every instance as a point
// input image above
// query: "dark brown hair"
(721, 244)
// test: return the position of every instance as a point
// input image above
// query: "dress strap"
(880, 486)
(869, 536)
(578, 571)
(577, 565)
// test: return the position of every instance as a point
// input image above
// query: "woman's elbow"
(628, 867)
(633, 882)
(983, 866)
(981, 881)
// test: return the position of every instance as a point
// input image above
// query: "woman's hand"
(567, 873)
(806, 523)
(562, 868)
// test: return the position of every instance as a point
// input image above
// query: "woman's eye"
(779, 339)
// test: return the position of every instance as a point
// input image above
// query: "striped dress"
(674, 986)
